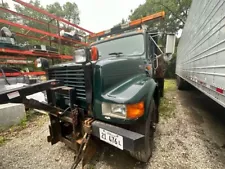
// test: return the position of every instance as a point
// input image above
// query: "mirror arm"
(157, 61)
(156, 45)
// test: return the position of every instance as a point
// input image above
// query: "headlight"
(114, 110)
(80, 56)
(119, 109)
(128, 111)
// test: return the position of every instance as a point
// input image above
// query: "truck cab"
(121, 76)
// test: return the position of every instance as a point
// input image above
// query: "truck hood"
(115, 70)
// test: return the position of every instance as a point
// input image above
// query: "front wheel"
(144, 152)
(160, 82)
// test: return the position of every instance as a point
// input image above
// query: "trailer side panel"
(201, 50)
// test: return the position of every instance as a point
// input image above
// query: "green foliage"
(4, 15)
(69, 11)
(171, 68)
(31, 13)
(166, 108)
(176, 13)
(23, 122)
(123, 21)
(2, 140)
(171, 65)
(169, 85)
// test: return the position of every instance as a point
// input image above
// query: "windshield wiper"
(116, 53)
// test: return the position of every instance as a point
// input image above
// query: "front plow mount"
(68, 125)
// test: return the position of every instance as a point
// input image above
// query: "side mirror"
(170, 46)
(41, 63)
(170, 43)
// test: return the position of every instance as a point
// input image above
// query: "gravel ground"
(193, 136)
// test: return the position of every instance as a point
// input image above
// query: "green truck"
(110, 91)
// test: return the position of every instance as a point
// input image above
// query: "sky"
(99, 15)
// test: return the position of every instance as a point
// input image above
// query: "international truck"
(201, 50)
(109, 91)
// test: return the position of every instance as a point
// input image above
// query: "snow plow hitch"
(17, 95)
(66, 125)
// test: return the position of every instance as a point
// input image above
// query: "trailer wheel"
(181, 84)
(144, 152)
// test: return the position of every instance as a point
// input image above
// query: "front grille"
(72, 77)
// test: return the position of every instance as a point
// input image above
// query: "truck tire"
(160, 82)
(161, 87)
(181, 84)
(144, 152)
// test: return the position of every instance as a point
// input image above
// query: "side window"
(152, 48)
(149, 48)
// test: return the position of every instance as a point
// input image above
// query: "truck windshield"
(126, 46)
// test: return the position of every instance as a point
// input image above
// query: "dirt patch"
(181, 143)
(30, 149)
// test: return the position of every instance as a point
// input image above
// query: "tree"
(176, 13)
(4, 4)
(68, 11)
(31, 13)
(4, 15)
(123, 21)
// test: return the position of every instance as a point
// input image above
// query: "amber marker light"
(148, 67)
(135, 110)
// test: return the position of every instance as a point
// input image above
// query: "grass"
(91, 166)
(30, 117)
(166, 108)
(23, 122)
(167, 104)
(170, 85)
(2, 140)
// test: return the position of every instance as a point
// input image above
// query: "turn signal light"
(135, 110)
(94, 53)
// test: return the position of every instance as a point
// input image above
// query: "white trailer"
(201, 50)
